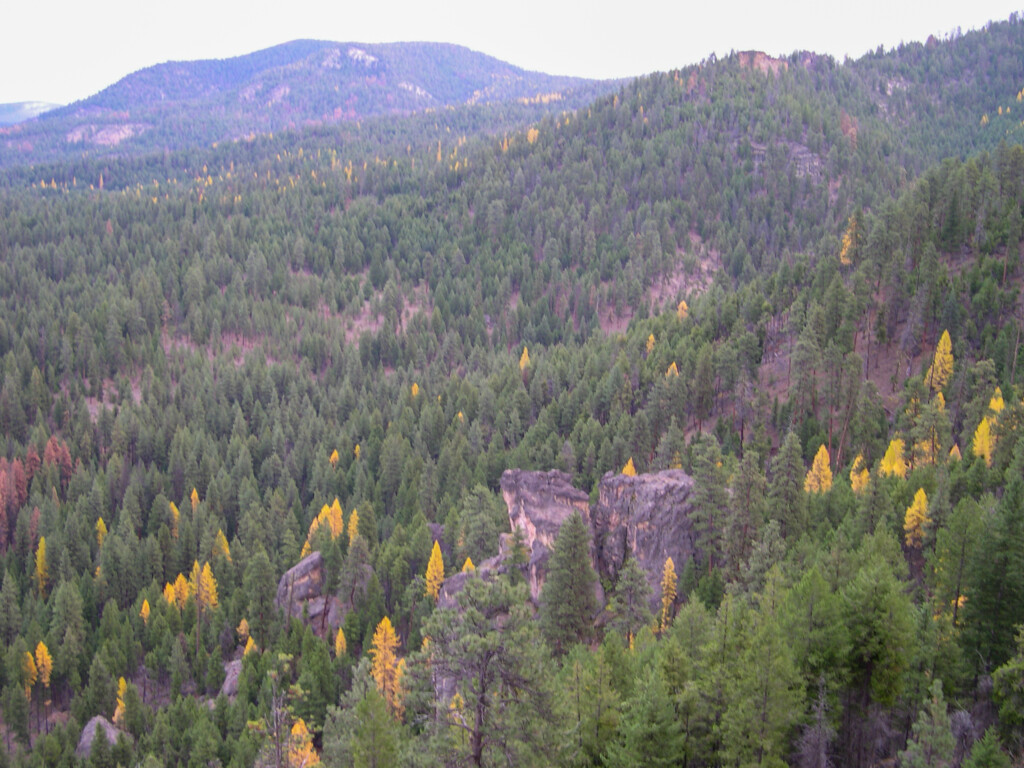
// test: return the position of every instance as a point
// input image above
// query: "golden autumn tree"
(916, 519)
(242, 630)
(893, 462)
(954, 453)
(819, 477)
(122, 689)
(101, 531)
(301, 752)
(468, 567)
(996, 404)
(524, 359)
(859, 475)
(169, 594)
(340, 643)
(983, 443)
(175, 518)
(182, 591)
(435, 571)
(682, 310)
(250, 646)
(386, 667)
(353, 526)
(334, 458)
(194, 498)
(849, 238)
(44, 668)
(629, 470)
(42, 569)
(942, 364)
(29, 673)
(414, 390)
(220, 546)
(650, 344)
(668, 593)
(336, 518)
(144, 612)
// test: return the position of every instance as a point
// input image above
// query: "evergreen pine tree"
(567, 601)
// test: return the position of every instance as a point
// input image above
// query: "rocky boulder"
(647, 516)
(538, 503)
(232, 671)
(300, 595)
(97, 726)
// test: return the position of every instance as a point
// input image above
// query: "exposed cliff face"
(646, 515)
(538, 504)
(300, 592)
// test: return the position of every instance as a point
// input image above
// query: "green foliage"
(568, 603)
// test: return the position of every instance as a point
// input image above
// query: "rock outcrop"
(538, 503)
(232, 671)
(300, 595)
(97, 726)
(647, 515)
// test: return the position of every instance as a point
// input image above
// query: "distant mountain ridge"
(304, 82)
(18, 111)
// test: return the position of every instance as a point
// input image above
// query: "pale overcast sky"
(64, 50)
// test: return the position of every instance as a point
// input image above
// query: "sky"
(60, 51)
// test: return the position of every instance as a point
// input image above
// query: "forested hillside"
(795, 279)
(181, 105)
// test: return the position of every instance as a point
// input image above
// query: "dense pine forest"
(797, 280)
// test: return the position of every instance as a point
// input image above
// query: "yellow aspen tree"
(414, 390)
(650, 344)
(682, 310)
(629, 470)
(673, 371)
(336, 518)
(385, 667)
(44, 663)
(942, 364)
(916, 519)
(42, 569)
(524, 359)
(353, 526)
(250, 646)
(983, 442)
(242, 630)
(101, 531)
(954, 453)
(848, 240)
(169, 594)
(175, 517)
(194, 498)
(435, 572)
(468, 567)
(859, 475)
(819, 477)
(334, 458)
(182, 591)
(207, 592)
(356, 451)
(340, 644)
(668, 593)
(301, 753)
(29, 674)
(122, 689)
(220, 546)
(893, 462)
(996, 404)
(144, 612)
(531, 135)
